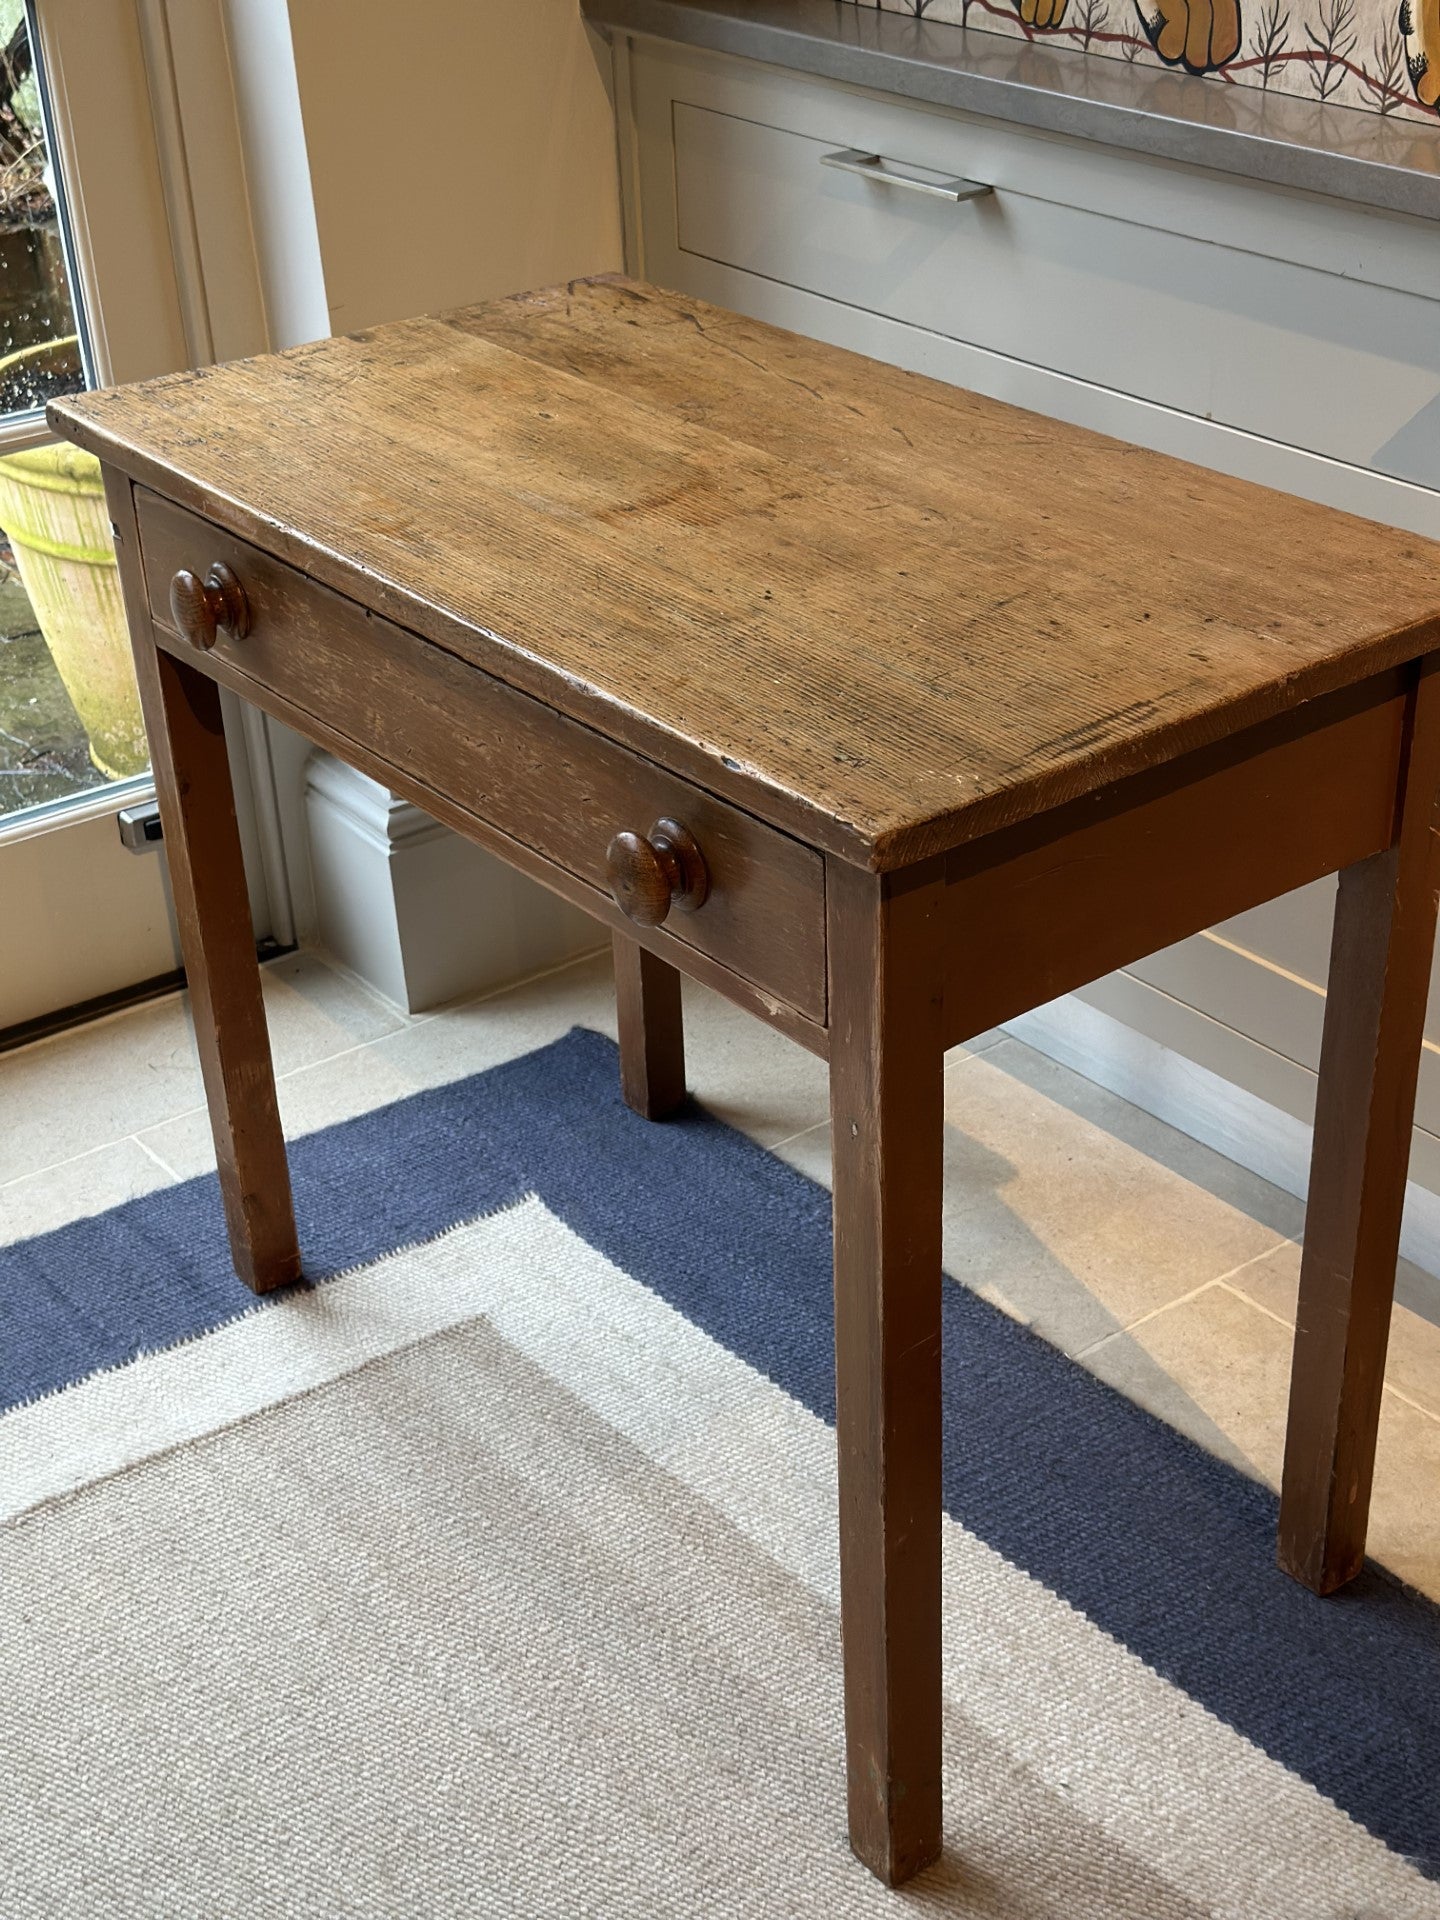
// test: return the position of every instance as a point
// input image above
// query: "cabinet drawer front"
(543, 780)
(1104, 292)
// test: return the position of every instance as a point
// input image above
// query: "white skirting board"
(1191, 1098)
(420, 913)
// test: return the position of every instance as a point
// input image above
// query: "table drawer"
(1220, 299)
(556, 787)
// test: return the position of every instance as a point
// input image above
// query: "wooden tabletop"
(885, 613)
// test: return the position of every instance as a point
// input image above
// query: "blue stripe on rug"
(1161, 1544)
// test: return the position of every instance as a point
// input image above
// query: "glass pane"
(69, 714)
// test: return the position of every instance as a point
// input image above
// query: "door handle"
(874, 166)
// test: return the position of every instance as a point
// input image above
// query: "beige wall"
(458, 149)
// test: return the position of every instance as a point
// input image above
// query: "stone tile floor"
(1162, 1266)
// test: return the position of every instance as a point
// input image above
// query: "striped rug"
(496, 1573)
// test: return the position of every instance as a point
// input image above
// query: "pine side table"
(886, 710)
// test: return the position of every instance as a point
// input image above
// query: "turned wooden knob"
(200, 608)
(649, 874)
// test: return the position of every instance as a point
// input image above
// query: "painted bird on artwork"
(1420, 28)
(1199, 34)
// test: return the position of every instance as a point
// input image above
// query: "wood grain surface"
(886, 614)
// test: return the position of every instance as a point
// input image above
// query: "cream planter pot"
(52, 505)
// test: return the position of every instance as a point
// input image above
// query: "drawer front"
(1096, 266)
(556, 787)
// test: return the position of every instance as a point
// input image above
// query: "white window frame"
(149, 139)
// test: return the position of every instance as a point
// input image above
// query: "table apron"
(1036, 912)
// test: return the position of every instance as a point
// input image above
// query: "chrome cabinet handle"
(874, 166)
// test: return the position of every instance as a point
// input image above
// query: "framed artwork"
(1379, 55)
